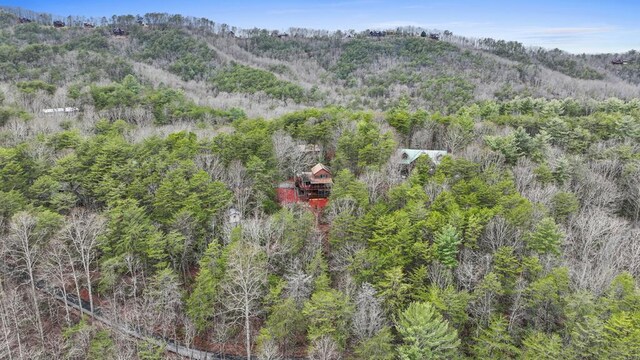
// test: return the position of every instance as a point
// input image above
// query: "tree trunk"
(76, 282)
(18, 338)
(35, 306)
(246, 326)
(88, 275)
(5, 331)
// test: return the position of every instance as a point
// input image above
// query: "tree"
(82, 230)
(541, 346)
(56, 270)
(622, 336)
(130, 231)
(368, 318)
(447, 242)
(547, 299)
(28, 236)
(245, 282)
(346, 186)
(425, 334)
(324, 348)
(378, 347)
(394, 288)
(366, 146)
(206, 290)
(291, 156)
(546, 238)
(450, 303)
(485, 299)
(495, 342)
(13, 316)
(564, 204)
(284, 325)
(163, 300)
(328, 313)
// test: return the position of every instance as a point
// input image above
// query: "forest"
(141, 216)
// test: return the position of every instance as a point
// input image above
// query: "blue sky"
(575, 26)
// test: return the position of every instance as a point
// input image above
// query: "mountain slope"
(310, 68)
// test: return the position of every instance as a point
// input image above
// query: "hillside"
(306, 68)
(322, 195)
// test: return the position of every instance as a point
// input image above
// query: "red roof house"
(314, 184)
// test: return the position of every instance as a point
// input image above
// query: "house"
(406, 157)
(119, 32)
(315, 184)
(234, 217)
(65, 110)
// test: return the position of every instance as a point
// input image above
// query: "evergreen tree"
(546, 238)
(541, 346)
(495, 342)
(378, 347)
(622, 336)
(328, 313)
(447, 242)
(425, 334)
(201, 303)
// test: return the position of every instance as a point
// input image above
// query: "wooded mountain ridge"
(231, 67)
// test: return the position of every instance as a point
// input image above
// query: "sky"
(585, 26)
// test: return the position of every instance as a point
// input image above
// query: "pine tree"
(328, 313)
(425, 334)
(622, 336)
(447, 242)
(546, 237)
(378, 347)
(201, 304)
(540, 346)
(495, 342)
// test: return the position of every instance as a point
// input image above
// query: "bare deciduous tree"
(82, 230)
(245, 284)
(26, 245)
(455, 137)
(324, 348)
(498, 233)
(56, 270)
(299, 284)
(368, 318)
(596, 248)
(12, 316)
(163, 301)
(375, 182)
(211, 164)
(269, 350)
(291, 156)
(268, 234)
(241, 185)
